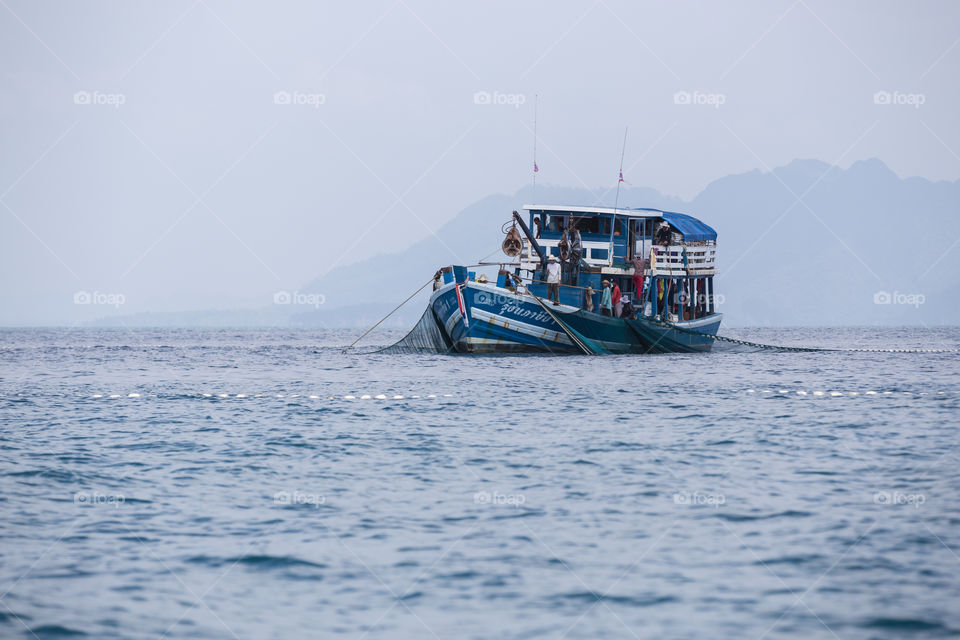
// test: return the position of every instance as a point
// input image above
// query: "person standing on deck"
(576, 250)
(639, 269)
(588, 299)
(606, 304)
(615, 299)
(553, 280)
(663, 234)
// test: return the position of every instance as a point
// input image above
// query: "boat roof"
(691, 228)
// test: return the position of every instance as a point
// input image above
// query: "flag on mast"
(536, 169)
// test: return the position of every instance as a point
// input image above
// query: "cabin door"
(638, 242)
(620, 238)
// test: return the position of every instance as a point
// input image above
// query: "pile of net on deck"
(425, 337)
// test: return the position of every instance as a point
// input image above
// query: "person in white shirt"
(553, 280)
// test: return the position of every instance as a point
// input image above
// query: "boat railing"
(673, 260)
(683, 260)
(594, 252)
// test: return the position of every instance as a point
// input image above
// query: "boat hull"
(500, 321)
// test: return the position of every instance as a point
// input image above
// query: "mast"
(536, 169)
(616, 202)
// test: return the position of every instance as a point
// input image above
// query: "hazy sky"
(205, 154)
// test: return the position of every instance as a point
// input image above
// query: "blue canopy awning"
(693, 230)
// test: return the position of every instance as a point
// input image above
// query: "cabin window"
(556, 222)
(595, 225)
(587, 225)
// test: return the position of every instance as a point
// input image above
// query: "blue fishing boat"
(582, 280)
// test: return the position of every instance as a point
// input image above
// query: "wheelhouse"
(678, 278)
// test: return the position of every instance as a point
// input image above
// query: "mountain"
(811, 244)
(805, 244)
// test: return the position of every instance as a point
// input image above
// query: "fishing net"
(425, 337)
(723, 343)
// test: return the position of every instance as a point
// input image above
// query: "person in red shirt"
(639, 269)
(615, 299)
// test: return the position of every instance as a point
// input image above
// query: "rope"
(387, 316)
(483, 259)
(577, 341)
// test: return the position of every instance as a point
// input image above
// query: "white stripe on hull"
(452, 322)
(539, 333)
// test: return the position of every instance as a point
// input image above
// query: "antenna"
(616, 202)
(536, 169)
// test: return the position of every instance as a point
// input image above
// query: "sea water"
(261, 484)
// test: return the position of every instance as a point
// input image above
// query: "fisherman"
(509, 282)
(615, 299)
(588, 298)
(576, 251)
(437, 282)
(663, 234)
(639, 269)
(606, 306)
(553, 280)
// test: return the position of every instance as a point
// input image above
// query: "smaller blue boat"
(583, 280)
